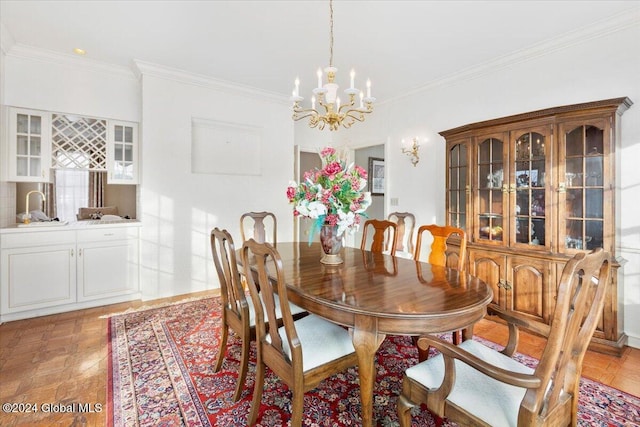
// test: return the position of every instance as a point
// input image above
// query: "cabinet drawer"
(37, 238)
(105, 234)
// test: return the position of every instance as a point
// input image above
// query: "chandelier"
(334, 114)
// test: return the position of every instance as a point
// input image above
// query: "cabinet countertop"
(79, 225)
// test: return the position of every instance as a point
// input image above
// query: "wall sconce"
(413, 151)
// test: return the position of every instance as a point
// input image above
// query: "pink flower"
(355, 183)
(327, 151)
(332, 169)
(361, 171)
(291, 193)
(331, 219)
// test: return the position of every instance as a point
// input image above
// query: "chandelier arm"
(299, 115)
(346, 106)
(356, 114)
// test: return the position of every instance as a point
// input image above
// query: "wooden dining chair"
(301, 353)
(442, 255)
(256, 224)
(472, 384)
(384, 236)
(238, 312)
(406, 224)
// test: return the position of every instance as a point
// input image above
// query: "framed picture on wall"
(376, 176)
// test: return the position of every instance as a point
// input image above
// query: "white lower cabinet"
(49, 272)
(38, 277)
(107, 263)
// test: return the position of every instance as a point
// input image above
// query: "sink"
(44, 224)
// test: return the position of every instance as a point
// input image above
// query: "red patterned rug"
(161, 374)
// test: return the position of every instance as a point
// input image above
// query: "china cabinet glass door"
(528, 183)
(490, 190)
(458, 186)
(584, 199)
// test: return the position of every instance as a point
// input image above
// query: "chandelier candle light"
(335, 114)
(334, 198)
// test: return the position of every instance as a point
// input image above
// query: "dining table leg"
(366, 340)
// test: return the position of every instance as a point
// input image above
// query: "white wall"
(66, 84)
(179, 208)
(602, 67)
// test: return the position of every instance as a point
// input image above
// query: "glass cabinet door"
(582, 190)
(29, 146)
(457, 184)
(123, 153)
(529, 187)
(490, 190)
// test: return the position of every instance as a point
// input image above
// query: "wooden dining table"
(376, 295)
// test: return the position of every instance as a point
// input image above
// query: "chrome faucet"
(27, 217)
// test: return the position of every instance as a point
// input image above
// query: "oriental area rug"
(161, 374)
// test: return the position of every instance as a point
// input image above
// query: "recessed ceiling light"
(79, 51)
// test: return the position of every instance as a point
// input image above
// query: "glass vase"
(331, 245)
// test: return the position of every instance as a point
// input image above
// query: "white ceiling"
(400, 45)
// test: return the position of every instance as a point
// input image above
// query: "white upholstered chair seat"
(321, 341)
(252, 311)
(493, 401)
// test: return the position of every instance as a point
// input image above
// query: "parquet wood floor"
(62, 359)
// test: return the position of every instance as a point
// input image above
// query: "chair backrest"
(231, 289)
(383, 231)
(584, 284)
(263, 257)
(254, 225)
(406, 224)
(440, 253)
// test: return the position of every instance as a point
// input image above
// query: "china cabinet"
(29, 145)
(531, 190)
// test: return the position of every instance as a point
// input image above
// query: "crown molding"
(181, 76)
(6, 39)
(26, 52)
(603, 28)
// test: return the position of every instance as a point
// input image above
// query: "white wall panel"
(180, 206)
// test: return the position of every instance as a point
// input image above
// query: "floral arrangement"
(332, 195)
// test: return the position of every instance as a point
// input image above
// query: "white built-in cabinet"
(34, 138)
(52, 271)
(29, 158)
(107, 262)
